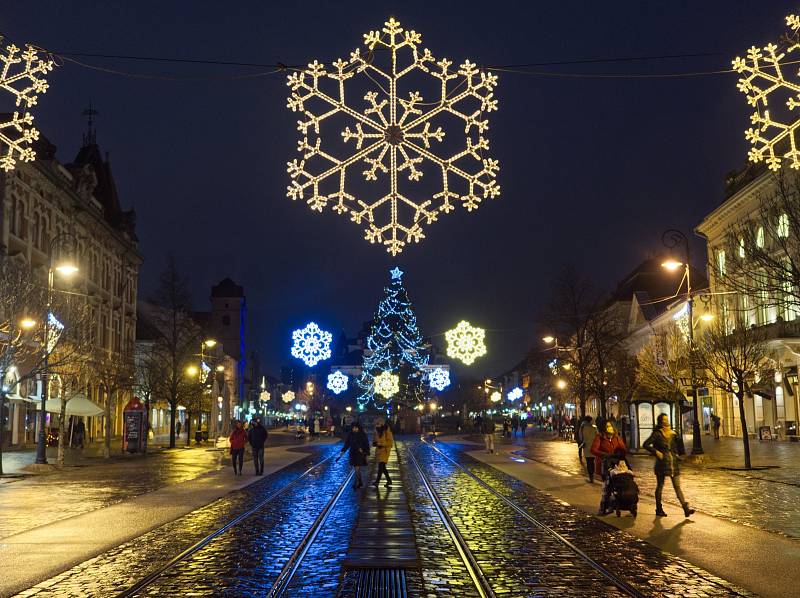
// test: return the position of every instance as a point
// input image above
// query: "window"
(741, 248)
(760, 237)
(783, 226)
(37, 227)
(789, 296)
(721, 262)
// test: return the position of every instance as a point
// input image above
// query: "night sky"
(592, 170)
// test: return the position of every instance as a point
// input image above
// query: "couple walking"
(358, 445)
(256, 435)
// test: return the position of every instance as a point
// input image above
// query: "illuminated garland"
(288, 396)
(387, 384)
(393, 133)
(465, 342)
(773, 137)
(515, 394)
(23, 76)
(439, 379)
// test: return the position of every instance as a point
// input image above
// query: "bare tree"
(178, 339)
(604, 345)
(149, 376)
(114, 371)
(22, 301)
(661, 363)
(732, 359)
(572, 304)
(761, 258)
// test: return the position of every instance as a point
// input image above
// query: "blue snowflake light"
(337, 382)
(311, 344)
(439, 378)
(515, 394)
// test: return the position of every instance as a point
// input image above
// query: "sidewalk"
(765, 499)
(39, 553)
(762, 562)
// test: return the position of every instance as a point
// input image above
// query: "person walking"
(177, 429)
(238, 440)
(257, 436)
(663, 446)
(579, 440)
(515, 425)
(488, 433)
(358, 445)
(715, 424)
(383, 442)
(505, 427)
(80, 432)
(606, 444)
(588, 432)
(522, 425)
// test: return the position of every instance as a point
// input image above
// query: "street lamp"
(192, 371)
(66, 269)
(549, 339)
(672, 238)
(561, 384)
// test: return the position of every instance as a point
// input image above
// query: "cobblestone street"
(552, 550)
(766, 499)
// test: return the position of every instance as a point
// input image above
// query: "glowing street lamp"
(27, 323)
(561, 384)
(192, 371)
(549, 339)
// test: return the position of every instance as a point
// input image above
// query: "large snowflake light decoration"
(515, 394)
(311, 344)
(288, 396)
(773, 135)
(387, 384)
(465, 342)
(337, 382)
(396, 133)
(439, 378)
(22, 74)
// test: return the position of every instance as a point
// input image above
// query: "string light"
(393, 136)
(465, 342)
(772, 138)
(387, 384)
(337, 382)
(439, 378)
(288, 396)
(311, 344)
(22, 74)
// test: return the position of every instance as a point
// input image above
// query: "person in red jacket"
(606, 444)
(238, 440)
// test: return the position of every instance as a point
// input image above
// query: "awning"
(78, 405)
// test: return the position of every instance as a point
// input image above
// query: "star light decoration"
(22, 74)
(395, 133)
(515, 394)
(311, 344)
(387, 384)
(337, 382)
(288, 396)
(465, 342)
(773, 137)
(439, 378)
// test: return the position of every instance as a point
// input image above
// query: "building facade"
(44, 202)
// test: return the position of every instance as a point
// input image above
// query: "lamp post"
(672, 238)
(66, 269)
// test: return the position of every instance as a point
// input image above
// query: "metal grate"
(381, 583)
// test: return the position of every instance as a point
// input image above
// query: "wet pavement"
(766, 499)
(518, 557)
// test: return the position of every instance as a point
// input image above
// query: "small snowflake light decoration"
(439, 378)
(465, 342)
(387, 384)
(393, 134)
(311, 344)
(337, 382)
(288, 396)
(22, 74)
(773, 137)
(515, 394)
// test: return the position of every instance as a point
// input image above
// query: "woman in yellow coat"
(383, 441)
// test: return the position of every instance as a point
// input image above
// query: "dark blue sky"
(592, 170)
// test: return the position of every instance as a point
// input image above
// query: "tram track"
(624, 587)
(287, 573)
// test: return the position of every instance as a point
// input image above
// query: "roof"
(227, 288)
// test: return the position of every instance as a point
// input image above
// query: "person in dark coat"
(238, 440)
(358, 445)
(663, 446)
(606, 444)
(257, 436)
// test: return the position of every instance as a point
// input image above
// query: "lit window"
(783, 226)
(721, 262)
(760, 237)
(741, 247)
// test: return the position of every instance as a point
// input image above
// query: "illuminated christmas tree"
(394, 345)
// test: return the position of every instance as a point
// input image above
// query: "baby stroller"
(620, 491)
